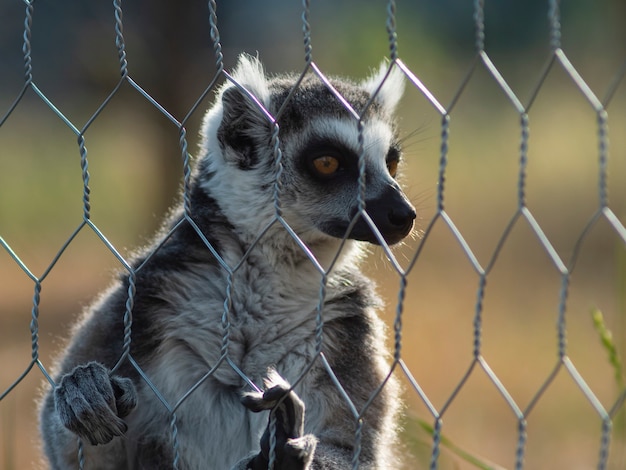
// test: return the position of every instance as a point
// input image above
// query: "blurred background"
(136, 171)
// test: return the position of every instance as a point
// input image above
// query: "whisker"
(406, 141)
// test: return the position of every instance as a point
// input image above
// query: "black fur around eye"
(325, 160)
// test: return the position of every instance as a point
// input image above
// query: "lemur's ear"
(250, 74)
(244, 125)
(388, 94)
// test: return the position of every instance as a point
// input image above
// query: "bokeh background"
(136, 172)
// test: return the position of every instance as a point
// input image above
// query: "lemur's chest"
(250, 333)
(213, 339)
(254, 319)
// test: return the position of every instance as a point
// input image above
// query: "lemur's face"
(326, 169)
(319, 190)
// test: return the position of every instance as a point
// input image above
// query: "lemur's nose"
(393, 214)
(402, 217)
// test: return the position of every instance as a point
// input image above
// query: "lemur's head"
(319, 141)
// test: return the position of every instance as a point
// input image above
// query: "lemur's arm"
(88, 402)
(91, 403)
(293, 449)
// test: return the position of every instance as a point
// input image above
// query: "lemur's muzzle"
(392, 214)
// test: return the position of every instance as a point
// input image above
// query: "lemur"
(274, 290)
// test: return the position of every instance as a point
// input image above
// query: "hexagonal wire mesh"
(522, 215)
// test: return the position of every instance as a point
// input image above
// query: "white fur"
(389, 92)
(250, 74)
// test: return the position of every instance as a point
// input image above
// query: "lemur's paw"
(298, 453)
(91, 403)
(293, 449)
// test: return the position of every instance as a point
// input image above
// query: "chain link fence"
(448, 424)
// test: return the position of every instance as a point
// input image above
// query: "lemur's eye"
(393, 158)
(326, 165)
(392, 167)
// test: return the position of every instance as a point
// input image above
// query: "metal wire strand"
(391, 30)
(477, 332)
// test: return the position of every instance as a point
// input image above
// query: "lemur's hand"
(293, 450)
(91, 403)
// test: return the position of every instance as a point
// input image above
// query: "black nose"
(392, 214)
(402, 217)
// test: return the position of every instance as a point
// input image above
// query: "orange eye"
(392, 167)
(326, 165)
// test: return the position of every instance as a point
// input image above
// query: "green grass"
(608, 343)
(418, 435)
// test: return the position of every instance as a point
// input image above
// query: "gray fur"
(177, 331)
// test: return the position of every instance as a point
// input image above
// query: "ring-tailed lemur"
(180, 289)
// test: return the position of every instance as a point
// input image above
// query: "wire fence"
(608, 413)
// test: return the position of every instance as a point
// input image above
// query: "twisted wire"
(186, 170)
(561, 322)
(554, 17)
(272, 450)
(226, 316)
(119, 38)
(360, 198)
(26, 48)
(278, 169)
(84, 166)
(127, 320)
(215, 36)
(434, 457)
(128, 313)
(605, 442)
(443, 161)
(358, 432)
(306, 32)
(392, 34)
(81, 455)
(603, 151)
(34, 322)
(520, 448)
(175, 444)
(319, 318)
(397, 324)
(479, 24)
(523, 161)
(478, 317)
